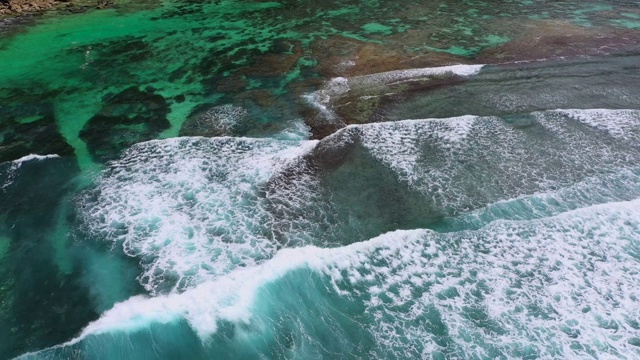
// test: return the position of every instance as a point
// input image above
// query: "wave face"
(272, 248)
(434, 155)
(14, 165)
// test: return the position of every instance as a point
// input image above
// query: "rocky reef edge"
(11, 8)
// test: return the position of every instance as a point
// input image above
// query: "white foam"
(618, 123)
(37, 157)
(397, 144)
(226, 298)
(231, 296)
(297, 130)
(531, 279)
(321, 99)
(189, 208)
(552, 267)
(395, 76)
(223, 118)
(616, 186)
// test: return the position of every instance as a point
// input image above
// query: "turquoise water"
(293, 179)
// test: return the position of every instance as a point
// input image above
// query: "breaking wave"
(534, 253)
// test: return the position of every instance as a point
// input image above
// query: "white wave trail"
(339, 86)
(412, 74)
(617, 123)
(31, 157)
(16, 164)
(540, 282)
(190, 208)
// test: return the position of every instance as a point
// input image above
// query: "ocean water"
(321, 180)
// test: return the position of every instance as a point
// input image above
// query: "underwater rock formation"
(128, 117)
(30, 129)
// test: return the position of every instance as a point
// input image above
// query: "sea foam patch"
(37, 157)
(551, 287)
(388, 77)
(189, 208)
(557, 286)
(398, 144)
(618, 123)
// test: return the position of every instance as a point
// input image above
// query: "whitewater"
(530, 244)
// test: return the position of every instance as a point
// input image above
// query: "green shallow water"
(466, 219)
(183, 49)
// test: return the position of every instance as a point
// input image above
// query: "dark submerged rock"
(279, 60)
(119, 56)
(340, 56)
(128, 117)
(30, 129)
